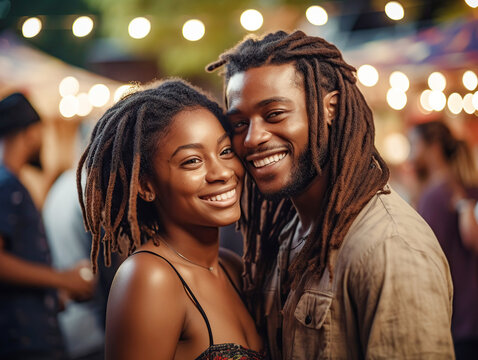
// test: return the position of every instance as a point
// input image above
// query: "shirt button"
(308, 320)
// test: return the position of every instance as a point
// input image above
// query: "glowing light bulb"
(394, 10)
(470, 81)
(251, 20)
(455, 103)
(399, 80)
(84, 105)
(69, 86)
(122, 91)
(193, 30)
(367, 75)
(139, 28)
(396, 99)
(99, 95)
(397, 148)
(316, 15)
(425, 100)
(68, 106)
(437, 81)
(31, 27)
(82, 26)
(472, 3)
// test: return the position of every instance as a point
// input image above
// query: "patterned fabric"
(229, 352)
(28, 316)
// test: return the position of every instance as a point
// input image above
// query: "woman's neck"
(199, 245)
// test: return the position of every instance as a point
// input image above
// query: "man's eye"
(227, 151)
(274, 114)
(239, 124)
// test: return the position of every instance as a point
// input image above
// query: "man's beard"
(302, 174)
(35, 160)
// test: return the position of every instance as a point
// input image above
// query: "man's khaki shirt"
(390, 296)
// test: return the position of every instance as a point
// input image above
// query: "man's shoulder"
(388, 220)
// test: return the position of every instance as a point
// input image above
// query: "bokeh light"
(316, 15)
(31, 27)
(139, 28)
(69, 106)
(474, 100)
(425, 100)
(82, 26)
(472, 3)
(455, 103)
(193, 30)
(84, 105)
(69, 86)
(367, 75)
(468, 104)
(99, 95)
(396, 148)
(470, 81)
(251, 20)
(437, 81)
(396, 99)
(437, 100)
(394, 10)
(399, 80)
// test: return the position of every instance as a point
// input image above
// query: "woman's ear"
(146, 191)
(331, 100)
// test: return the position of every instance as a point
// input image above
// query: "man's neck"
(309, 203)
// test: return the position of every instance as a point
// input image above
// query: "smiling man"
(337, 265)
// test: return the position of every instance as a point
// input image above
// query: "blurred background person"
(448, 177)
(82, 323)
(28, 285)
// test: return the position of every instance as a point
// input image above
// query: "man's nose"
(257, 134)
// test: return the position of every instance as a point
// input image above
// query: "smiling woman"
(160, 170)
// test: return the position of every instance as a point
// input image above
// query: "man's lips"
(265, 159)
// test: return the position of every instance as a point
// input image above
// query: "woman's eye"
(191, 161)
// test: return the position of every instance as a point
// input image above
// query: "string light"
(437, 81)
(367, 75)
(84, 105)
(31, 27)
(399, 80)
(316, 15)
(472, 3)
(82, 26)
(68, 106)
(396, 99)
(455, 103)
(468, 104)
(193, 30)
(437, 100)
(474, 100)
(425, 100)
(99, 95)
(121, 91)
(470, 81)
(251, 20)
(394, 10)
(139, 28)
(69, 86)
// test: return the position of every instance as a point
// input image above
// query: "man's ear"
(146, 190)
(330, 106)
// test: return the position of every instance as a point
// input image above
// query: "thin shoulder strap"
(230, 280)
(189, 291)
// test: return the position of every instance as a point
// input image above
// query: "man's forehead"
(281, 75)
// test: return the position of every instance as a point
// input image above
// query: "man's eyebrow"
(197, 145)
(265, 102)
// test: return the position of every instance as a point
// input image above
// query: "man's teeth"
(223, 196)
(268, 160)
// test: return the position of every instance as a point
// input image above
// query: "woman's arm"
(145, 313)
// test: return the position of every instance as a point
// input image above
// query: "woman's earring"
(151, 196)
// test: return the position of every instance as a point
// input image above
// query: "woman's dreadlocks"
(122, 147)
(356, 170)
